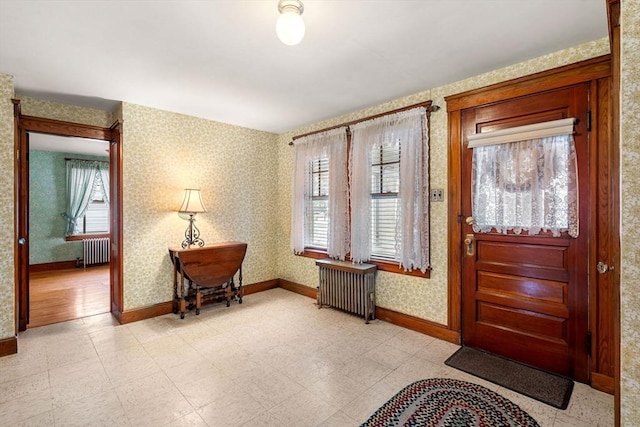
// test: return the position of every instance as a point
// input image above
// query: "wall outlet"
(437, 195)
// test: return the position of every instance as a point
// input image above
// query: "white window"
(96, 218)
(526, 186)
(87, 204)
(385, 183)
(317, 220)
(388, 190)
(372, 203)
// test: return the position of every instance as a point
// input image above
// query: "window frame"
(93, 235)
(380, 194)
(382, 265)
(316, 176)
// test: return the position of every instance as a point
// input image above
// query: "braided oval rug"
(448, 402)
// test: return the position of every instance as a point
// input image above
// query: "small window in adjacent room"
(87, 204)
(96, 218)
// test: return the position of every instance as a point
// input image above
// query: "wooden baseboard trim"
(400, 319)
(419, 325)
(406, 321)
(8, 346)
(52, 266)
(298, 288)
(602, 382)
(259, 287)
(130, 316)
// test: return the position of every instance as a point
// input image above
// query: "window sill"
(389, 267)
(76, 237)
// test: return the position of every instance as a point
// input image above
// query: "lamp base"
(192, 234)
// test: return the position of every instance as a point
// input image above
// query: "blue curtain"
(81, 176)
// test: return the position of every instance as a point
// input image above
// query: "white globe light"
(290, 28)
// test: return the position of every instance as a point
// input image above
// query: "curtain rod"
(427, 104)
(86, 160)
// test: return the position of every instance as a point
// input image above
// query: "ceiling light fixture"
(290, 26)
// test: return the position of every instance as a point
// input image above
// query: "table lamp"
(191, 205)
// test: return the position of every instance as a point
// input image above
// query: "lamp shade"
(290, 26)
(192, 202)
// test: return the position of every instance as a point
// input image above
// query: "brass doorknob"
(468, 242)
(603, 267)
(470, 220)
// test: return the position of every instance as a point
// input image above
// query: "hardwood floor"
(57, 296)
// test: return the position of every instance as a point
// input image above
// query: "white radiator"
(96, 251)
(347, 286)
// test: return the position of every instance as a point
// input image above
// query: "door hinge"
(460, 219)
(589, 121)
(589, 343)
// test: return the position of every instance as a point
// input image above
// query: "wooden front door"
(526, 297)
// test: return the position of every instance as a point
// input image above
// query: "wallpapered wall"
(164, 153)
(47, 199)
(423, 298)
(630, 204)
(7, 313)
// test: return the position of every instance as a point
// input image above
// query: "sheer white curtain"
(407, 129)
(527, 185)
(331, 144)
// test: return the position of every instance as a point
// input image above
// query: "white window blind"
(318, 213)
(385, 183)
(523, 133)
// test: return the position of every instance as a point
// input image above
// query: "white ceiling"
(221, 59)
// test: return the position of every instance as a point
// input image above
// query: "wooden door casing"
(526, 297)
(24, 125)
(602, 73)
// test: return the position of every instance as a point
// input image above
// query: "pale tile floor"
(275, 360)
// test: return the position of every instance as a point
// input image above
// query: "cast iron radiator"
(96, 251)
(347, 286)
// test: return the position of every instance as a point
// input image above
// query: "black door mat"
(543, 386)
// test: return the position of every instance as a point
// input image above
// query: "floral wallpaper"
(47, 199)
(630, 206)
(235, 168)
(7, 292)
(423, 298)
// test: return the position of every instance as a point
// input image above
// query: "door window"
(526, 185)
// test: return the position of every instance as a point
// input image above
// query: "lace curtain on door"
(526, 186)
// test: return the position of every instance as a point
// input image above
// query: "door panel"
(22, 230)
(526, 297)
